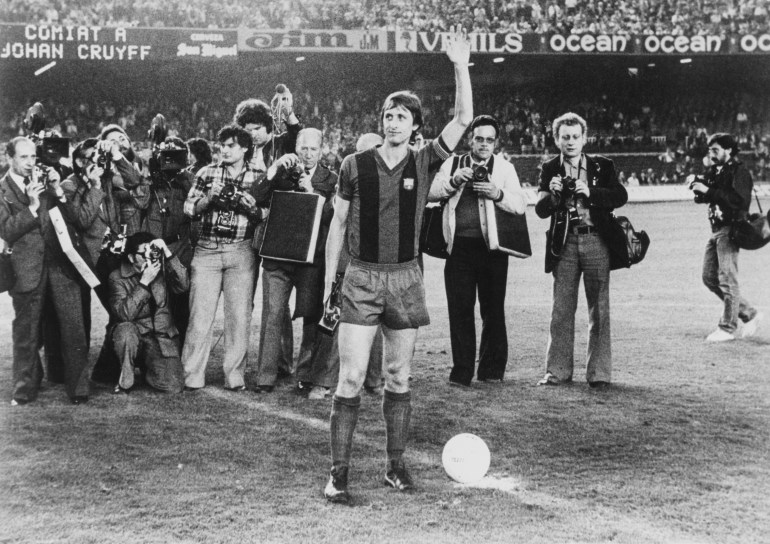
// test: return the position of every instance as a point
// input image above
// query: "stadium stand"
(522, 16)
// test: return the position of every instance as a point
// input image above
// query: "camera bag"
(752, 232)
(637, 242)
(432, 240)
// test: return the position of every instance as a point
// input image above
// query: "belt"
(583, 229)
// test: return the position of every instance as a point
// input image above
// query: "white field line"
(645, 529)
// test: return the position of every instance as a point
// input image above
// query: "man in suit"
(279, 277)
(44, 276)
(578, 192)
(469, 183)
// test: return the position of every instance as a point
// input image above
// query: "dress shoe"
(303, 388)
(80, 399)
(459, 385)
(490, 381)
(236, 389)
(261, 389)
(599, 385)
(188, 389)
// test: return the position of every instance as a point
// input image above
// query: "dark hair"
(137, 239)
(80, 153)
(725, 141)
(201, 150)
(485, 121)
(178, 143)
(407, 100)
(255, 111)
(237, 133)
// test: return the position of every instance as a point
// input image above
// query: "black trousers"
(472, 268)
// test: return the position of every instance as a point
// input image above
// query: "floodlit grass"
(677, 451)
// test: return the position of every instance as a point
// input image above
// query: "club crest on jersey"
(408, 184)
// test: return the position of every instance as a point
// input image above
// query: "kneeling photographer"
(298, 172)
(225, 215)
(145, 335)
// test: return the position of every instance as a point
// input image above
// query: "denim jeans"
(228, 269)
(585, 254)
(720, 275)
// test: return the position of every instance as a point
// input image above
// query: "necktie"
(27, 181)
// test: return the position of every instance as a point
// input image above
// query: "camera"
(115, 242)
(103, 159)
(153, 253)
(231, 199)
(49, 148)
(480, 173)
(288, 178)
(699, 198)
(331, 318)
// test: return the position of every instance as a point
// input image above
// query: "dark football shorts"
(389, 294)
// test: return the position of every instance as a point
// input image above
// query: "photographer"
(131, 185)
(294, 172)
(47, 283)
(726, 187)
(578, 192)
(145, 334)
(165, 219)
(224, 262)
(470, 183)
(94, 213)
(264, 122)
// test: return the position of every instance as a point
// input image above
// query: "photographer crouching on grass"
(726, 187)
(145, 334)
(225, 216)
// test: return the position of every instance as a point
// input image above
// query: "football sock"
(343, 422)
(397, 410)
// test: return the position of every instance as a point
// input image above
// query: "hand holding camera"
(581, 188)
(158, 247)
(94, 174)
(461, 176)
(332, 307)
(150, 272)
(699, 186)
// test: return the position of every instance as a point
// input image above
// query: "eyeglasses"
(480, 140)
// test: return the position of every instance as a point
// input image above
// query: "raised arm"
(459, 52)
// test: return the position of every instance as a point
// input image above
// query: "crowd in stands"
(520, 16)
(675, 129)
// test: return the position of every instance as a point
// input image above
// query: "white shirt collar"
(19, 180)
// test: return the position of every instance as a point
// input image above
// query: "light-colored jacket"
(502, 174)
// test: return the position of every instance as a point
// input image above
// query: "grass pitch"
(677, 451)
